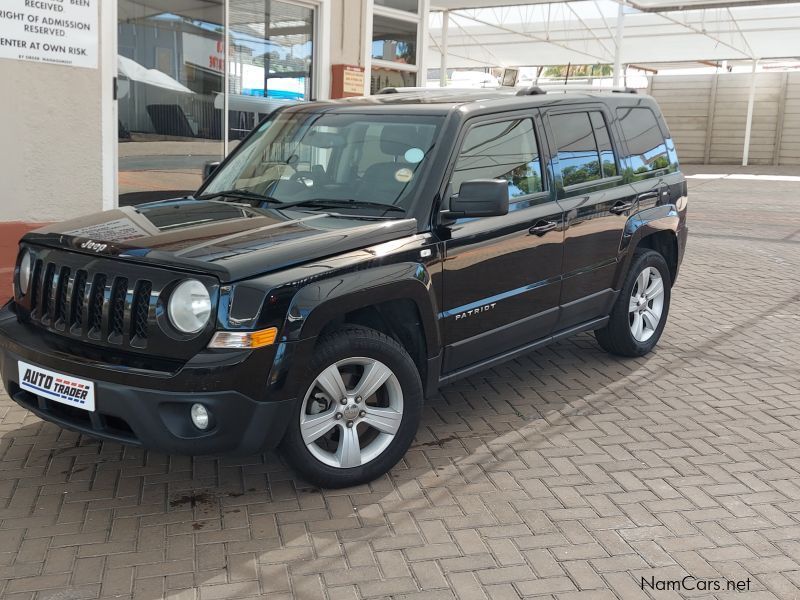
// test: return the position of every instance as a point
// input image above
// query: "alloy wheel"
(646, 304)
(351, 412)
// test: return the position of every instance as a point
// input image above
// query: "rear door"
(651, 159)
(502, 275)
(597, 204)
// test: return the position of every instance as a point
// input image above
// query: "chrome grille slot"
(77, 304)
(60, 309)
(119, 293)
(140, 311)
(45, 303)
(35, 285)
(96, 302)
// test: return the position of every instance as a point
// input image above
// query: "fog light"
(200, 416)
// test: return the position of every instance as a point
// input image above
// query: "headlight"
(189, 306)
(25, 270)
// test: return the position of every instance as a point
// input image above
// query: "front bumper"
(245, 391)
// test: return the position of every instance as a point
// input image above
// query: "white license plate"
(58, 387)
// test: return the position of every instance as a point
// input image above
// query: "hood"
(232, 241)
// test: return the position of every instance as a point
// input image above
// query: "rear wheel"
(359, 412)
(640, 311)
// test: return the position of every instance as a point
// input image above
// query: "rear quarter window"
(647, 148)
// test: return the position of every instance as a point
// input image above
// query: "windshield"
(353, 162)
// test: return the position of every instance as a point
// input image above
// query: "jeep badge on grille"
(92, 245)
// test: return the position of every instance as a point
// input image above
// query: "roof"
(444, 100)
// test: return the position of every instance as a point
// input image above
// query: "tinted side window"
(646, 144)
(583, 146)
(505, 150)
(607, 158)
(577, 149)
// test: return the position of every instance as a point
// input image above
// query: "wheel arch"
(665, 242)
(397, 300)
(655, 228)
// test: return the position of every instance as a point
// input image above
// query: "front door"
(502, 275)
(596, 205)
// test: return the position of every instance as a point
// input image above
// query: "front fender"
(317, 304)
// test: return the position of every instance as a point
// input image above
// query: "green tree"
(560, 71)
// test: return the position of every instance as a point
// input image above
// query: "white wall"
(707, 115)
(347, 22)
(51, 137)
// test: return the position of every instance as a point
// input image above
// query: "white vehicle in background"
(469, 79)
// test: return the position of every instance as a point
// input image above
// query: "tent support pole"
(618, 45)
(443, 63)
(226, 18)
(751, 103)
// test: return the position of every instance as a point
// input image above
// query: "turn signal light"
(244, 339)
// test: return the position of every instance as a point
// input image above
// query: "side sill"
(512, 354)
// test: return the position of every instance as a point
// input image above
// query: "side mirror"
(209, 168)
(479, 198)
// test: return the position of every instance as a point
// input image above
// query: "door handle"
(542, 227)
(651, 195)
(622, 207)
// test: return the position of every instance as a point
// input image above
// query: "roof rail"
(435, 90)
(533, 90)
(588, 88)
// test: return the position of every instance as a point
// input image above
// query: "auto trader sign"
(62, 32)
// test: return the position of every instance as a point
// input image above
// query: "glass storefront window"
(381, 78)
(394, 40)
(171, 83)
(170, 71)
(271, 57)
(406, 5)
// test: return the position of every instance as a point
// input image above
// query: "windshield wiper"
(240, 195)
(348, 203)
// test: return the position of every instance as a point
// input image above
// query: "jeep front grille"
(113, 306)
(95, 306)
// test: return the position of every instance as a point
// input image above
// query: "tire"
(322, 450)
(619, 336)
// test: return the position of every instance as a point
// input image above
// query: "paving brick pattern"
(566, 474)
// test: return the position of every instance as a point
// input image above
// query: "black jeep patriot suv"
(347, 259)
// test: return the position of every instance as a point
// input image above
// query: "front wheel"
(640, 311)
(359, 412)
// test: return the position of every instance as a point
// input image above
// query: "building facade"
(163, 87)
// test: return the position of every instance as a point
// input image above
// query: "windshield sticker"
(404, 175)
(414, 155)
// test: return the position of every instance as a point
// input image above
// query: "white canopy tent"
(132, 70)
(585, 31)
(505, 33)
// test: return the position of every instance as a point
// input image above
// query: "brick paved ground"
(565, 474)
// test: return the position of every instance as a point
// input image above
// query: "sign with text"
(346, 81)
(61, 32)
(353, 81)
